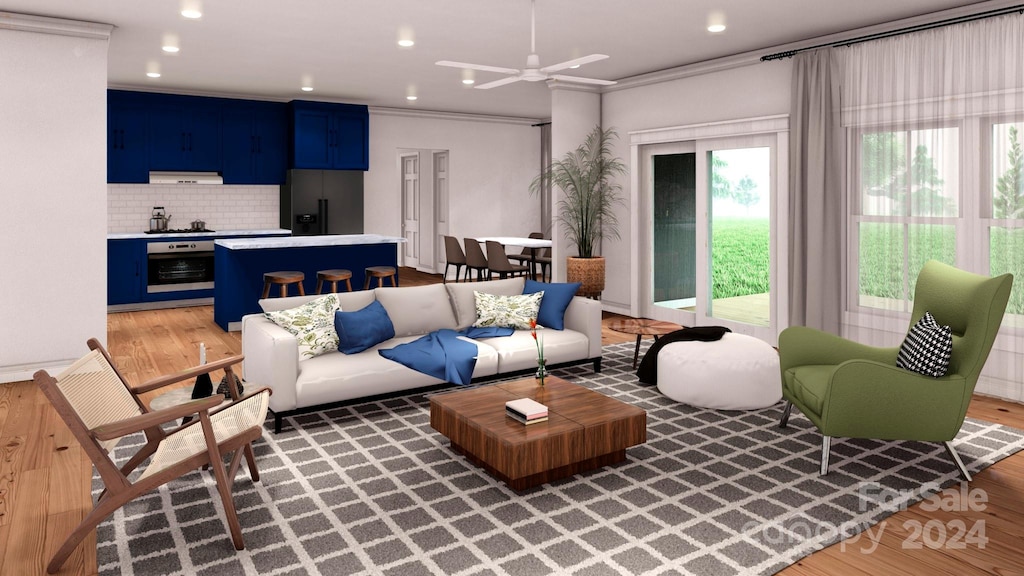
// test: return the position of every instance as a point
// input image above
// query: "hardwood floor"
(45, 476)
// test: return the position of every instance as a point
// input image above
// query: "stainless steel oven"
(176, 266)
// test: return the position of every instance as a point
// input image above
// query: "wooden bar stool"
(283, 278)
(380, 273)
(333, 276)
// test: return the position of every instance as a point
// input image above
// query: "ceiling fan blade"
(582, 80)
(497, 83)
(575, 62)
(480, 67)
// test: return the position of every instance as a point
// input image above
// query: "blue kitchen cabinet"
(185, 134)
(330, 136)
(127, 140)
(255, 142)
(124, 271)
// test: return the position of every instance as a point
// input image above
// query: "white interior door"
(441, 205)
(411, 209)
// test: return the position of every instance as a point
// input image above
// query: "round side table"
(642, 327)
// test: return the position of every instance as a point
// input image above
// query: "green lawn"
(741, 250)
(739, 256)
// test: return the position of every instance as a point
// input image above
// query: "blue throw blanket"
(442, 355)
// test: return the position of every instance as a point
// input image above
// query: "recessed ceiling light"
(307, 88)
(191, 9)
(716, 22)
(410, 98)
(468, 81)
(307, 83)
(406, 39)
(170, 44)
(153, 69)
(153, 74)
(574, 67)
(468, 78)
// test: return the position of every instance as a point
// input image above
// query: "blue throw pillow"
(552, 306)
(362, 329)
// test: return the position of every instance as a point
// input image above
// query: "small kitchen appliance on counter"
(158, 221)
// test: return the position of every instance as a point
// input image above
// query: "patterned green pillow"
(512, 311)
(312, 324)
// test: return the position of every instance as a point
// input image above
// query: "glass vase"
(542, 372)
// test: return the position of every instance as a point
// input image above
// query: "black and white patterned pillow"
(927, 348)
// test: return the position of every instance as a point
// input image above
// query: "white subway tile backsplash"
(129, 206)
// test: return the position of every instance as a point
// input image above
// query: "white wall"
(230, 207)
(574, 113)
(760, 89)
(53, 183)
(491, 165)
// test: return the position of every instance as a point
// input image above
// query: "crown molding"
(437, 115)
(555, 84)
(754, 56)
(57, 26)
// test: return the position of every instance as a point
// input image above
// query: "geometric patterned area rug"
(372, 489)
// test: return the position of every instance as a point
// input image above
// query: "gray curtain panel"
(817, 223)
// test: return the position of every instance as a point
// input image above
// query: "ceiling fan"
(533, 72)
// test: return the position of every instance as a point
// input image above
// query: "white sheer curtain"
(935, 123)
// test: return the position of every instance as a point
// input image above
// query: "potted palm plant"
(586, 210)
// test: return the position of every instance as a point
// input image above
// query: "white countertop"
(217, 234)
(306, 241)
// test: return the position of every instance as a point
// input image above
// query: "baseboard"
(24, 372)
(159, 305)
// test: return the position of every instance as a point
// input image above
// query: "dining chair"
(497, 261)
(454, 256)
(545, 265)
(525, 257)
(475, 259)
(101, 408)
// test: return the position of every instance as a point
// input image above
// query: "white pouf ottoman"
(738, 372)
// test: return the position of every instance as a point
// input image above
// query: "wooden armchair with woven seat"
(100, 408)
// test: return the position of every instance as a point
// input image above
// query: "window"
(907, 210)
(1004, 207)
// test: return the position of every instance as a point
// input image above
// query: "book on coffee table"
(526, 408)
(525, 421)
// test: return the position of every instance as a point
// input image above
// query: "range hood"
(185, 178)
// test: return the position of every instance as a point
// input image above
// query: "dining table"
(533, 244)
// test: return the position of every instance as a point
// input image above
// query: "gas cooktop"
(179, 231)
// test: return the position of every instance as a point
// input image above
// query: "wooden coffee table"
(642, 327)
(585, 430)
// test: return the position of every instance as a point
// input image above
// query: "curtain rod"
(899, 31)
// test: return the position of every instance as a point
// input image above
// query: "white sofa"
(272, 358)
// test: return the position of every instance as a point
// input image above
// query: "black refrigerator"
(322, 202)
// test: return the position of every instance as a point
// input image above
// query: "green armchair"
(852, 390)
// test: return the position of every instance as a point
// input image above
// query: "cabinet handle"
(122, 138)
(189, 141)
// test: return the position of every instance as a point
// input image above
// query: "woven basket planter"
(589, 272)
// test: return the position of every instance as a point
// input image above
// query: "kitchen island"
(241, 263)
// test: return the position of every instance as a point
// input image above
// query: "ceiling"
(263, 48)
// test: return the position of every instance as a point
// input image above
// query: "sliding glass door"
(710, 207)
